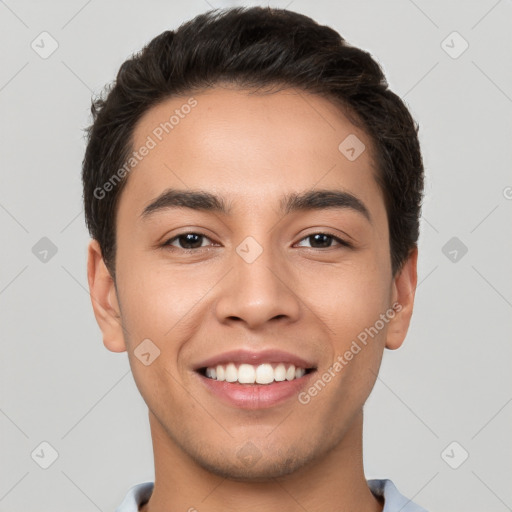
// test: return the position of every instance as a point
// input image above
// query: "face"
(273, 279)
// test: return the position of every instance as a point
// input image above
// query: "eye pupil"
(187, 239)
(321, 237)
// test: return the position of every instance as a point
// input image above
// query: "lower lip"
(256, 396)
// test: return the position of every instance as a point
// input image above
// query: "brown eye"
(324, 240)
(187, 241)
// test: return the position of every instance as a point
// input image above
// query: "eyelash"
(167, 244)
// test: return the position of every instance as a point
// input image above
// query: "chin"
(257, 469)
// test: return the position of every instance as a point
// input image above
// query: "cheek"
(356, 336)
(159, 302)
(346, 299)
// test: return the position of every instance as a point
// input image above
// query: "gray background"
(451, 380)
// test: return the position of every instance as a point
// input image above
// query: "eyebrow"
(292, 202)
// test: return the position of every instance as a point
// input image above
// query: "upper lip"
(255, 358)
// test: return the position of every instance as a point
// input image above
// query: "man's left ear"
(404, 289)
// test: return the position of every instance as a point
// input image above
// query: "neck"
(334, 481)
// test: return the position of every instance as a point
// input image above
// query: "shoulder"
(135, 497)
(394, 501)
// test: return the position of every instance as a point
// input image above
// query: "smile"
(253, 395)
(265, 373)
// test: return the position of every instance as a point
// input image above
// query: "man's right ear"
(104, 299)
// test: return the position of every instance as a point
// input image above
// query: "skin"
(305, 298)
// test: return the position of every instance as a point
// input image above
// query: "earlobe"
(104, 299)
(404, 289)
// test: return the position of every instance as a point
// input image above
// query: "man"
(253, 192)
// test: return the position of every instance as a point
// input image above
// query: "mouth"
(248, 380)
(250, 374)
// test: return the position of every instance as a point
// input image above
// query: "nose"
(257, 292)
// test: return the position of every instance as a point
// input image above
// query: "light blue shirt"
(393, 500)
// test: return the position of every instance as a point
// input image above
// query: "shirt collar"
(393, 500)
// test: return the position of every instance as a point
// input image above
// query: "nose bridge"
(257, 290)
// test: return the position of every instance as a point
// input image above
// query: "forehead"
(249, 146)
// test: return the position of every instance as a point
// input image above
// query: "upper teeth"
(249, 374)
